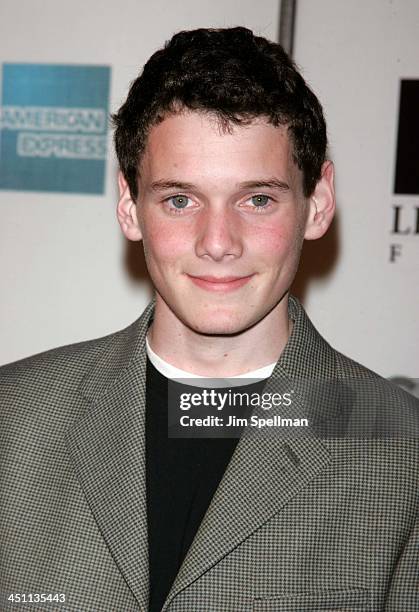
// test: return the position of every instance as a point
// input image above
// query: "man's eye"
(179, 201)
(260, 200)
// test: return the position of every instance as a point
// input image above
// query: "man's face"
(222, 217)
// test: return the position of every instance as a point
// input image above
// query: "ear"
(127, 211)
(322, 204)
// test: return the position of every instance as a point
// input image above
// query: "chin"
(217, 330)
(217, 325)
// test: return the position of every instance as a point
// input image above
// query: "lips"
(220, 283)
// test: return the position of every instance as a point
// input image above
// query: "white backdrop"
(68, 275)
(354, 54)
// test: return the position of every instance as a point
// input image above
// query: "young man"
(223, 175)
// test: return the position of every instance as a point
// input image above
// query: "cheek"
(274, 242)
(163, 242)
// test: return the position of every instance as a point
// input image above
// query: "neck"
(219, 355)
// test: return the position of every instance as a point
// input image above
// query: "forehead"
(196, 143)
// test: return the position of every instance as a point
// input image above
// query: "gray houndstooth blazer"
(320, 521)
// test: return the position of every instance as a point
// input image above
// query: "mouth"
(220, 283)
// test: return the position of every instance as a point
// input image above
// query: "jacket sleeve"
(403, 594)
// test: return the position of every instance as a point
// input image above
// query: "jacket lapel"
(267, 470)
(107, 447)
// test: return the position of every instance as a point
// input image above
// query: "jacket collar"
(107, 448)
(306, 356)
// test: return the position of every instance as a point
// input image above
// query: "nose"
(219, 235)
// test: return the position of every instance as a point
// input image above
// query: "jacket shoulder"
(51, 378)
(71, 357)
(378, 406)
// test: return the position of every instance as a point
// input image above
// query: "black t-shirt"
(182, 476)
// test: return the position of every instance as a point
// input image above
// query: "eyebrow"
(164, 185)
(272, 183)
(267, 184)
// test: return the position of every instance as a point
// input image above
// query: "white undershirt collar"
(170, 371)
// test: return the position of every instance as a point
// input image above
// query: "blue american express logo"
(61, 144)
